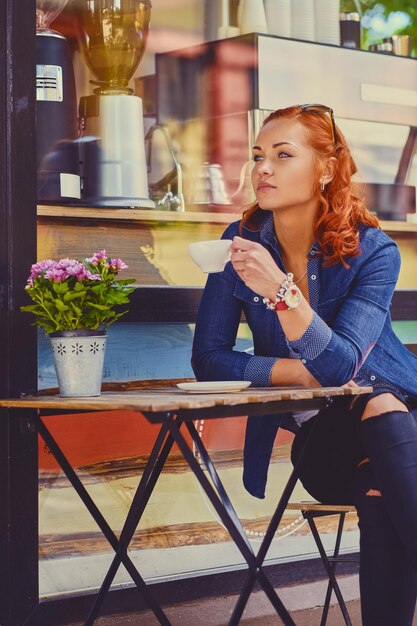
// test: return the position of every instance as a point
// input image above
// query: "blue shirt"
(350, 335)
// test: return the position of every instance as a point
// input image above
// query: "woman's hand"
(292, 372)
(256, 267)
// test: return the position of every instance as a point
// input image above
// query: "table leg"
(154, 466)
(260, 557)
(102, 523)
(224, 498)
(265, 545)
(237, 534)
(227, 514)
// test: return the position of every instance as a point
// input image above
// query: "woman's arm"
(213, 355)
(334, 355)
(331, 356)
(258, 270)
(290, 372)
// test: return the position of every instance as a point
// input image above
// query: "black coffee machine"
(58, 179)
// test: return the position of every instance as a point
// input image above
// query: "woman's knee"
(383, 403)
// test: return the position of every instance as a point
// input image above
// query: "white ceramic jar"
(251, 17)
(278, 17)
(302, 19)
(326, 21)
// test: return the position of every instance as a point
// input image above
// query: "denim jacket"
(349, 337)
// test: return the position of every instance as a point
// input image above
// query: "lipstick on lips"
(264, 186)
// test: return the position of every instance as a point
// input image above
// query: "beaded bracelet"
(288, 296)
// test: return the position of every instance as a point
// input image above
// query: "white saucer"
(214, 386)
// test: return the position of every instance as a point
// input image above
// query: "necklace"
(302, 276)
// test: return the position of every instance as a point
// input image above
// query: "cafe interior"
(135, 139)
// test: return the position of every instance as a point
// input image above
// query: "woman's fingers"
(350, 384)
(246, 251)
(256, 267)
(243, 245)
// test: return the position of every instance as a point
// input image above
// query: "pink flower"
(56, 274)
(91, 275)
(97, 257)
(38, 268)
(64, 263)
(74, 268)
(118, 265)
(59, 271)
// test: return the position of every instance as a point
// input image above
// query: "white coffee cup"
(211, 256)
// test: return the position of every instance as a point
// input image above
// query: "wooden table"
(173, 410)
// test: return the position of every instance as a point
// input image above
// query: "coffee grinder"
(56, 110)
(113, 36)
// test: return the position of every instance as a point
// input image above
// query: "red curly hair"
(341, 211)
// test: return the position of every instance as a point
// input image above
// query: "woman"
(315, 275)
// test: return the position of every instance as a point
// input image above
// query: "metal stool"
(311, 510)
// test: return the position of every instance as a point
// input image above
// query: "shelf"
(136, 215)
(152, 215)
(398, 227)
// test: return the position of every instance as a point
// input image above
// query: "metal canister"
(401, 44)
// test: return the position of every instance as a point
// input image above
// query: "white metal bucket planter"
(79, 360)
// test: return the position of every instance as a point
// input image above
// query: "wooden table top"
(173, 399)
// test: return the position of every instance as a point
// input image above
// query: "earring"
(322, 186)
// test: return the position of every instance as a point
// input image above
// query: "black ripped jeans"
(331, 472)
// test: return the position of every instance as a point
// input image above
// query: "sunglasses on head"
(321, 109)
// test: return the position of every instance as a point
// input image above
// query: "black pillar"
(18, 442)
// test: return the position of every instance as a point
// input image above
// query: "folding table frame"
(173, 425)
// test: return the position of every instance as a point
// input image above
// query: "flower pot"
(79, 359)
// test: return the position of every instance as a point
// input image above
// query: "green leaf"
(60, 305)
(99, 307)
(30, 308)
(79, 286)
(73, 295)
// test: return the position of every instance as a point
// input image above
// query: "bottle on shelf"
(350, 24)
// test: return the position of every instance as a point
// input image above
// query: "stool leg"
(329, 569)
(335, 555)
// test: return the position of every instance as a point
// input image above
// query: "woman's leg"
(328, 464)
(388, 581)
(389, 440)
(386, 501)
